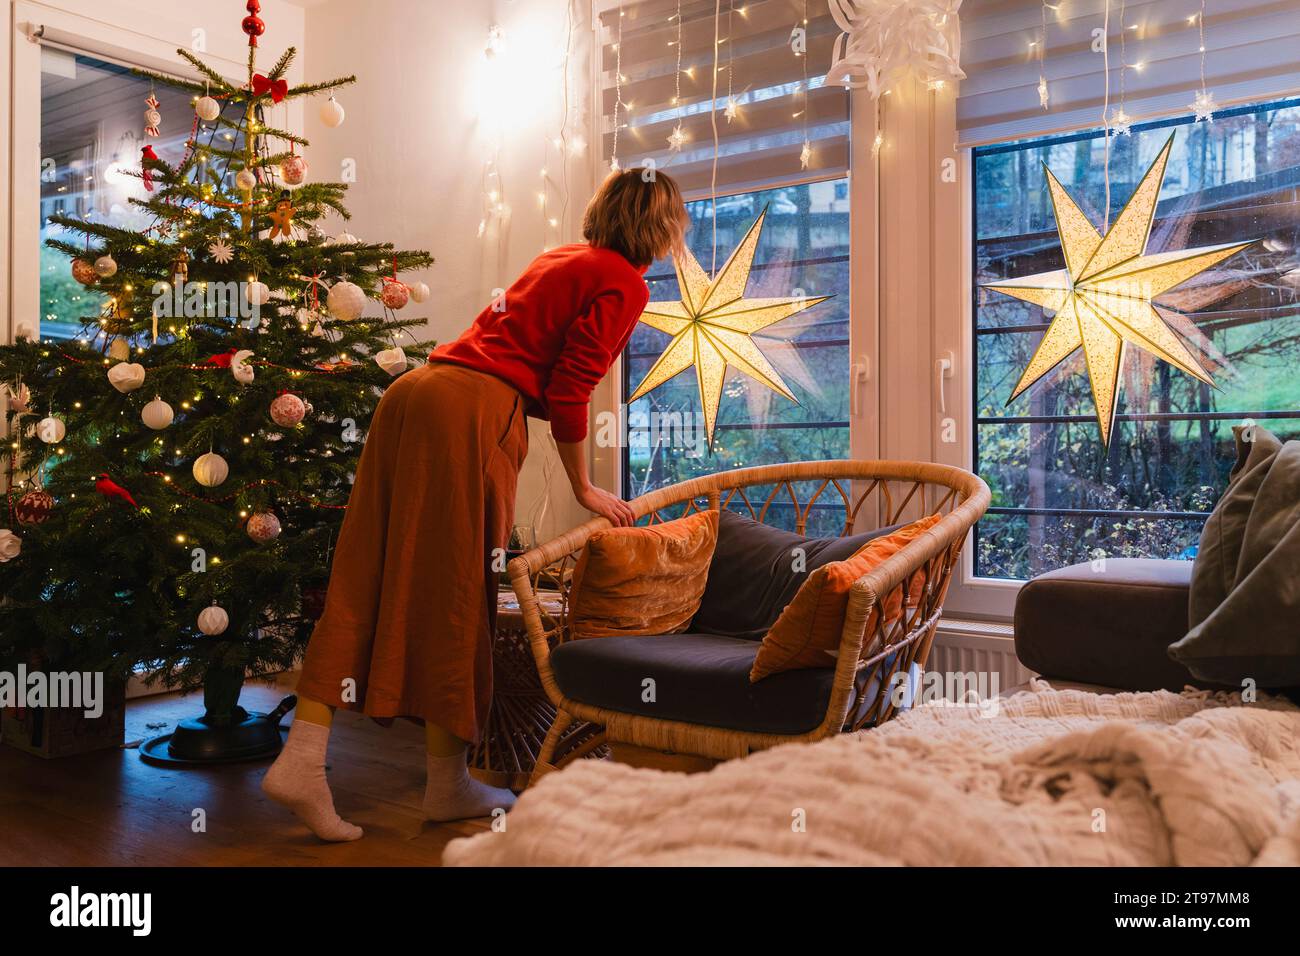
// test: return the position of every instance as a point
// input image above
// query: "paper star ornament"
(711, 325)
(1102, 298)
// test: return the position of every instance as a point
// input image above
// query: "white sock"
(452, 794)
(297, 780)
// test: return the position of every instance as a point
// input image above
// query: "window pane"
(803, 250)
(1059, 496)
(92, 131)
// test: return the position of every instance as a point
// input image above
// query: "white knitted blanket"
(1058, 777)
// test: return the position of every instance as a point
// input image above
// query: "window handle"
(859, 372)
(945, 367)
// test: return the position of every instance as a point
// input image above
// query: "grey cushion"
(1110, 625)
(1245, 609)
(698, 678)
(754, 574)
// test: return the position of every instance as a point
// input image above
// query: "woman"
(408, 619)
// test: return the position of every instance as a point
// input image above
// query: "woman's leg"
(451, 793)
(297, 778)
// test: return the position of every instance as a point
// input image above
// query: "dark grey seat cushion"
(1109, 625)
(698, 678)
(754, 574)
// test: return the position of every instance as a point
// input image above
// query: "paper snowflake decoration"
(1042, 92)
(732, 110)
(677, 138)
(805, 154)
(1204, 106)
(1120, 123)
(221, 251)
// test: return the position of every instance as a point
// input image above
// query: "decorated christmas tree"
(178, 473)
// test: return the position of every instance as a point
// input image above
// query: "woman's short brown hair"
(638, 212)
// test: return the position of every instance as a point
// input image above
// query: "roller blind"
(1250, 54)
(761, 146)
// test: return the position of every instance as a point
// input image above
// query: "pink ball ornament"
(395, 294)
(263, 527)
(288, 410)
(293, 170)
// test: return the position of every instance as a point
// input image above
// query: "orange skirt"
(407, 627)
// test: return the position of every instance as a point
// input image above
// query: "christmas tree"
(178, 473)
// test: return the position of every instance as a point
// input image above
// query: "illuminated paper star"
(677, 138)
(1102, 298)
(711, 325)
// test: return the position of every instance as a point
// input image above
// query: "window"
(772, 137)
(804, 246)
(92, 131)
(1059, 496)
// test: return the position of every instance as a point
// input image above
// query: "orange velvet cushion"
(643, 580)
(807, 634)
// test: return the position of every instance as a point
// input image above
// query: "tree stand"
(225, 733)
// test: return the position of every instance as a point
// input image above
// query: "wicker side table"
(521, 713)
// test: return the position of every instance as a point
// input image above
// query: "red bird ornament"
(111, 489)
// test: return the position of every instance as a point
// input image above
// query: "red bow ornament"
(262, 85)
(146, 175)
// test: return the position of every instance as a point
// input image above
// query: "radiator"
(980, 647)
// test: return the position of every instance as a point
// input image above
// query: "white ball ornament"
(210, 470)
(245, 180)
(288, 410)
(207, 108)
(263, 527)
(257, 293)
(51, 430)
(419, 291)
(105, 266)
(392, 361)
(331, 113)
(346, 301)
(213, 621)
(126, 376)
(157, 414)
(241, 368)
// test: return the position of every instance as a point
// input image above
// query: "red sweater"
(556, 331)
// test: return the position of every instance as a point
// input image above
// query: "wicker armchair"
(825, 497)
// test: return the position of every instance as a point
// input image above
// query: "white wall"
(422, 120)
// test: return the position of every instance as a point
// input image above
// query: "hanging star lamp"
(711, 325)
(1102, 298)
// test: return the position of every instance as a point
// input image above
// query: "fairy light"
(677, 138)
(1203, 105)
(805, 154)
(733, 108)
(1043, 94)
(618, 89)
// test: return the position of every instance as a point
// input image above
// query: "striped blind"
(1250, 54)
(761, 146)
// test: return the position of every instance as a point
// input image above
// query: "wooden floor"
(113, 809)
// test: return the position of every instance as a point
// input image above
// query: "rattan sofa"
(854, 496)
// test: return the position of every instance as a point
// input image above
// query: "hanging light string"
(618, 88)
(1042, 56)
(805, 153)
(1105, 112)
(677, 137)
(1203, 105)
(731, 63)
(713, 122)
(1119, 119)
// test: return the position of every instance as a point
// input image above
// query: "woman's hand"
(606, 505)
